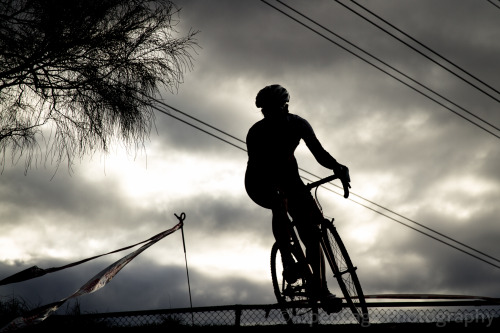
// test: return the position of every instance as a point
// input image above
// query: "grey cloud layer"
(371, 122)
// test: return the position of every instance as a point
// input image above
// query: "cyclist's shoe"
(292, 273)
(329, 302)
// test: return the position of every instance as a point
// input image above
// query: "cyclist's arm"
(344, 177)
(324, 158)
(320, 154)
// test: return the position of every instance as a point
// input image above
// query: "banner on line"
(97, 282)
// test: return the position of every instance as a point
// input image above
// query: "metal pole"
(181, 218)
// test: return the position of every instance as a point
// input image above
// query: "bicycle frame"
(336, 257)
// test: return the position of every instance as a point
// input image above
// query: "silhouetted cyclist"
(272, 181)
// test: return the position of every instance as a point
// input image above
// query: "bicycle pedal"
(292, 273)
(289, 291)
(332, 305)
(330, 309)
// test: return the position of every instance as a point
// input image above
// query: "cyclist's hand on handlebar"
(343, 173)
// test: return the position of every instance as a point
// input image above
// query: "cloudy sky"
(400, 129)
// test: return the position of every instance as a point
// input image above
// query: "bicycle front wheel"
(344, 271)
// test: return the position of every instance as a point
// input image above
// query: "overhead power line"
(415, 222)
(198, 128)
(420, 52)
(381, 69)
(424, 233)
(165, 105)
(496, 4)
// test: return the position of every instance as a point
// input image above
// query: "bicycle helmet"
(273, 95)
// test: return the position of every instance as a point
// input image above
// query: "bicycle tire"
(344, 272)
(283, 290)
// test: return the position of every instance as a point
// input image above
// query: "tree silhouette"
(77, 76)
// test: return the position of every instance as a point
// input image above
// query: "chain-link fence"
(439, 314)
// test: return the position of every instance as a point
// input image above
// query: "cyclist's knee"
(305, 208)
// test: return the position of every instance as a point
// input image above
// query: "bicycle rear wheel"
(287, 294)
(344, 271)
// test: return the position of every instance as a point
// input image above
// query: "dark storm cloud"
(150, 286)
(437, 147)
(141, 285)
(370, 121)
(422, 264)
(209, 218)
(88, 206)
(236, 36)
(185, 134)
(37, 192)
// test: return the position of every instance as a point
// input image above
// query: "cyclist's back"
(271, 143)
(271, 165)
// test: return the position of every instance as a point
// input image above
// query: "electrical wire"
(352, 193)
(442, 235)
(406, 218)
(370, 63)
(420, 52)
(196, 119)
(424, 233)
(494, 4)
(198, 128)
(399, 215)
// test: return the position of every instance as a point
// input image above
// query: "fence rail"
(440, 314)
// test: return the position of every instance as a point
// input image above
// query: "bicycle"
(294, 296)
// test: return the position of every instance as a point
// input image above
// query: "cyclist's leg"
(262, 188)
(280, 232)
(307, 215)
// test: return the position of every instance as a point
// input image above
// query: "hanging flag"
(35, 271)
(97, 282)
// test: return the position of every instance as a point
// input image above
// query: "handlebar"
(320, 182)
